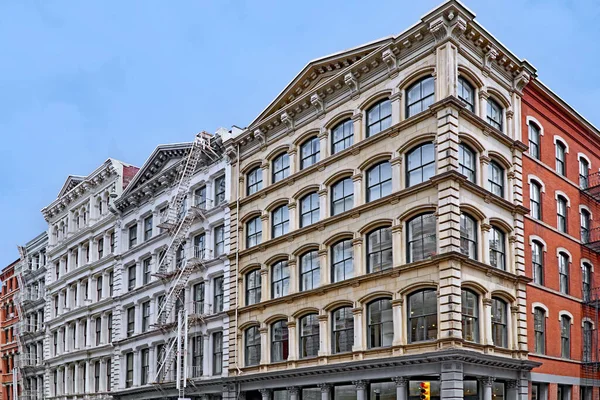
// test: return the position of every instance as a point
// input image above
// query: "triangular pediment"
(318, 71)
(70, 183)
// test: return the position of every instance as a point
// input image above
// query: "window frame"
(463, 83)
(470, 315)
(253, 187)
(499, 236)
(499, 325)
(423, 98)
(217, 339)
(534, 140)
(254, 291)
(132, 236)
(565, 336)
(283, 225)
(378, 329)
(537, 266)
(470, 238)
(539, 329)
(494, 108)
(199, 293)
(218, 294)
(410, 257)
(494, 166)
(312, 198)
(535, 200)
(340, 327)
(148, 221)
(585, 219)
(564, 272)
(220, 189)
(219, 242)
(303, 352)
(253, 345)
(347, 137)
(421, 165)
(383, 122)
(345, 198)
(283, 340)
(560, 158)
(280, 276)
(383, 186)
(346, 246)
(314, 259)
(314, 156)
(584, 179)
(254, 237)
(411, 315)
(385, 248)
(279, 173)
(562, 214)
(463, 150)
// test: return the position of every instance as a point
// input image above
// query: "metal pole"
(178, 378)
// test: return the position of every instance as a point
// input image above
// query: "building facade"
(562, 192)
(378, 231)
(31, 300)
(9, 318)
(81, 257)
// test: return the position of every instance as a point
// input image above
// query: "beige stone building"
(377, 235)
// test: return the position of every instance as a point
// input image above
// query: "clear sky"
(82, 81)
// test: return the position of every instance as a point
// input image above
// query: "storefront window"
(414, 390)
(383, 391)
(345, 392)
(311, 393)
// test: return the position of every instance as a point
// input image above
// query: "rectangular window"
(99, 288)
(145, 366)
(111, 277)
(112, 242)
(197, 356)
(132, 236)
(130, 321)
(129, 373)
(109, 323)
(217, 353)
(131, 277)
(218, 294)
(199, 298)
(563, 273)
(108, 374)
(147, 271)
(145, 316)
(100, 248)
(97, 376)
(219, 240)
(98, 330)
(148, 228)
(219, 190)
(200, 197)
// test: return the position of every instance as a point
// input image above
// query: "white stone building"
(139, 289)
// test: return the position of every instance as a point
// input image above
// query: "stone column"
(446, 70)
(452, 381)
(396, 106)
(514, 327)
(510, 130)
(486, 384)
(358, 128)
(323, 204)
(265, 393)
(398, 249)
(294, 392)
(358, 330)
(397, 180)
(484, 248)
(512, 391)
(266, 231)
(397, 322)
(487, 318)
(206, 370)
(80, 255)
(294, 282)
(264, 345)
(323, 335)
(358, 189)
(292, 340)
(77, 335)
(325, 273)
(88, 383)
(323, 144)
(361, 389)
(88, 332)
(359, 264)
(483, 96)
(401, 387)
(484, 164)
(325, 390)
(266, 179)
(265, 288)
(292, 154)
(293, 220)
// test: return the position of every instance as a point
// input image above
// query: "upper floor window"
(379, 117)
(148, 227)
(219, 240)
(379, 250)
(199, 198)
(309, 209)
(497, 248)
(342, 196)
(537, 260)
(309, 336)
(253, 287)
(379, 181)
(132, 236)
(281, 221)
(466, 93)
(586, 272)
(561, 213)
(310, 272)
(588, 330)
(219, 190)
(218, 294)
(254, 181)
(342, 263)
(468, 236)
(421, 164)
(422, 316)
(494, 113)
(470, 316)
(466, 162)
(279, 341)
(280, 279)
(535, 201)
(560, 158)
(199, 246)
(539, 328)
(584, 167)
(252, 337)
(281, 167)
(421, 237)
(253, 232)
(585, 226)
(380, 323)
(563, 272)
(499, 325)
(342, 136)
(342, 328)
(309, 152)
(534, 140)
(565, 336)
(217, 353)
(420, 96)
(496, 178)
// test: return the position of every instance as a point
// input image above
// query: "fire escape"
(590, 237)
(174, 317)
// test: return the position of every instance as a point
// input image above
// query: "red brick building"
(560, 186)
(8, 319)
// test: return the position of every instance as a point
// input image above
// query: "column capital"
(400, 381)
(325, 387)
(265, 392)
(487, 302)
(293, 390)
(487, 380)
(361, 384)
(513, 384)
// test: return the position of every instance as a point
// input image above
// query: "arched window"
(342, 136)
(539, 328)
(379, 181)
(466, 162)
(309, 209)
(280, 223)
(281, 167)
(466, 93)
(468, 236)
(342, 265)
(494, 113)
(563, 272)
(310, 271)
(561, 213)
(253, 232)
(379, 250)
(254, 181)
(537, 261)
(587, 281)
(565, 336)
(587, 341)
(309, 336)
(470, 315)
(560, 158)
(342, 196)
(496, 178)
(280, 279)
(585, 226)
(497, 248)
(342, 326)
(421, 238)
(253, 286)
(584, 172)
(420, 96)
(422, 316)
(279, 341)
(421, 164)
(252, 338)
(310, 152)
(499, 326)
(380, 323)
(535, 201)
(534, 140)
(379, 117)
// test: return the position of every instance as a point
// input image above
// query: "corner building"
(377, 237)
(9, 318)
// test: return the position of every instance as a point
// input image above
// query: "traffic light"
(425, 391)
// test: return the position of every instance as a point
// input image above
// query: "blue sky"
(82, 81)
